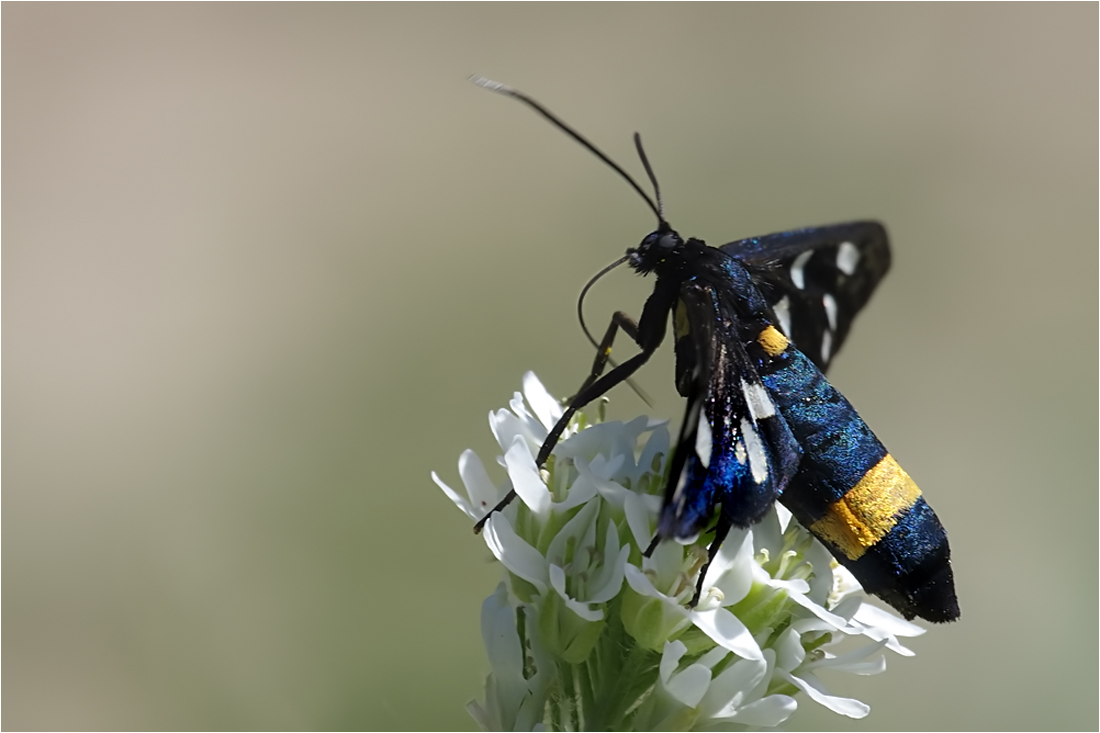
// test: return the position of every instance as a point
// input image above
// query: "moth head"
(655, 250)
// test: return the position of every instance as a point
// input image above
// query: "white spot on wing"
(694, 413)
(758, 459)
(704, 441)
(798, 277)
(760, 404)
(847, 257)
(830, 309)
(739, 451)
(826, 346)
(678, 495)
(782, 311)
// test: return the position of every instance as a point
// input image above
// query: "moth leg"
(603, 355)
(593, 390)
(721, 529)
(603, 349)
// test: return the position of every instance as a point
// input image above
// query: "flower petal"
(483, 493)
(783, 514)
(729, 689)
(854, 661)
(609, 581)
(731, 571)
(454, 496)
(789, 652)
(767, 712)
(689, 686)
(837, 622)
(557, 581)
(767, 535)
(605, 468)
(506, 688)
(727, 631)
(611, 491)
(610, 438)
(888, 622)
(821, 582)
(713, 657)
(875, 666)
(670, 658)
(506, 428)
(640, 583)
(525, 477)
(572, 534)
(842, 705)
(542, 403)
(656, 447)
(514, 552)
(582, 490)
(639, 518)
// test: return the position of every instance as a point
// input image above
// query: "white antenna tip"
(489, 84)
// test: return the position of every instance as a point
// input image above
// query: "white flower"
(585, 632)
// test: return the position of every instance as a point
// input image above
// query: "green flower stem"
(614, 677)
(623, 689)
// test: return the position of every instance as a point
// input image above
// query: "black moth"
(755, 324)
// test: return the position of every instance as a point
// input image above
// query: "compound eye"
(669, 241)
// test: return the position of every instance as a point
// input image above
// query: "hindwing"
(816, 280)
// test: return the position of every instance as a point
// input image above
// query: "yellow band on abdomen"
(869, 510)
(772, 341)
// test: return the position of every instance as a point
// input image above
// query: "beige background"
(265, 267)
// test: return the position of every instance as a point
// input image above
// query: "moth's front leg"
(603, 349)
(648, 338)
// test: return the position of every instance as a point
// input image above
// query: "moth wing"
(816, 280)
(734, 448)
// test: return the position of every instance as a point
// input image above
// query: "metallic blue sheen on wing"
(751, 455)
(692, 510)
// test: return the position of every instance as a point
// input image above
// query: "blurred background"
(267, 266)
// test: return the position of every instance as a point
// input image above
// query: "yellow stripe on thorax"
(772, 341)
(681, 327)
(869, 510)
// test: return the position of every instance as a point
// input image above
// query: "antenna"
(649, 172)
(658, 207)
(584, 327)
(584, 292)
(496, 86)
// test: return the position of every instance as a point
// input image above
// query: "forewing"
(816, 280)
(734, 448)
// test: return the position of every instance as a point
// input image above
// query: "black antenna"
(584, 327)
(584, 292)
(496, 86)
(652, 178)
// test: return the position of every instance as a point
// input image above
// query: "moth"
(755, 324)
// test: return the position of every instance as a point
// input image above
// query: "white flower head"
(586, 633)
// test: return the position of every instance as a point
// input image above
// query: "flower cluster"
(586, 633)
